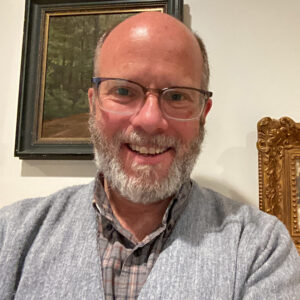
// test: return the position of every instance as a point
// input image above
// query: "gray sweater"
(218, 249)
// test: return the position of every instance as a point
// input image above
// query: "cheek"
(110, 124)
(187, 131)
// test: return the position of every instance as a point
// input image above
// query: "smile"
(147, 150)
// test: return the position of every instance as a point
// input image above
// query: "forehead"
(160, 42)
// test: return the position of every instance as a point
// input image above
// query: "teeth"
(143, 150)
(150, 150)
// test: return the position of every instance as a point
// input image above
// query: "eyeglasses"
(126, 97)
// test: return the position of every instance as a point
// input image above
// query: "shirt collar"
(171, 215)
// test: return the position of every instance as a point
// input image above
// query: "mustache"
(141, 138)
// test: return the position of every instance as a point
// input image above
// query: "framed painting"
(57, 64)
(279, 171)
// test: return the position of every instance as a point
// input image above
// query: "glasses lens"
(182, 103)
(120, 96)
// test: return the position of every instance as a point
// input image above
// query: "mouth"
(147, 150)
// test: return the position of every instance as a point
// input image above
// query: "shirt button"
(109, 227)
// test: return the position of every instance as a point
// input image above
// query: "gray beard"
(145, 187)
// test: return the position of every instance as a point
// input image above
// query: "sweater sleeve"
(268, 265)
(8, 266)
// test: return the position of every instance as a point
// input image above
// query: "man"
(152, 233)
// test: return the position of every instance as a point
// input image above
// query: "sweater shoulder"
(37, 203)
(27, 212)
(210, 214)
(219, 210)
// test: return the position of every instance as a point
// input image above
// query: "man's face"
(146, 157)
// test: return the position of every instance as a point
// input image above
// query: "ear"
(91, 99)
(206, 110)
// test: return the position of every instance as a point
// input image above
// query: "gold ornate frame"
(278, 153)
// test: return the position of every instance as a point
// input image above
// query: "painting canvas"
(69, 57)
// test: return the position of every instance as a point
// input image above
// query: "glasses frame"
(96, 81)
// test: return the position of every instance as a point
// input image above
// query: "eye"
(122, 91)
(176, 96)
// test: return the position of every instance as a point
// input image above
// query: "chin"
(144, 183)
(153, 174)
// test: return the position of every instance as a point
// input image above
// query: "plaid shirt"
(126, 262)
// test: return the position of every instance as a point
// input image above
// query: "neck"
(139, 219)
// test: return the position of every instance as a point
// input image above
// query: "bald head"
(157, 35)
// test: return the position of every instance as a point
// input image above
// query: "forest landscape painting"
(68, 70)
(59, 40)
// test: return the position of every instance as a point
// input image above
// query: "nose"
(150, 117)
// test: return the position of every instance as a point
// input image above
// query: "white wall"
(254, 51)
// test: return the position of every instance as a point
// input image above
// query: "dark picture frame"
(278, 147)
(53, 112)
